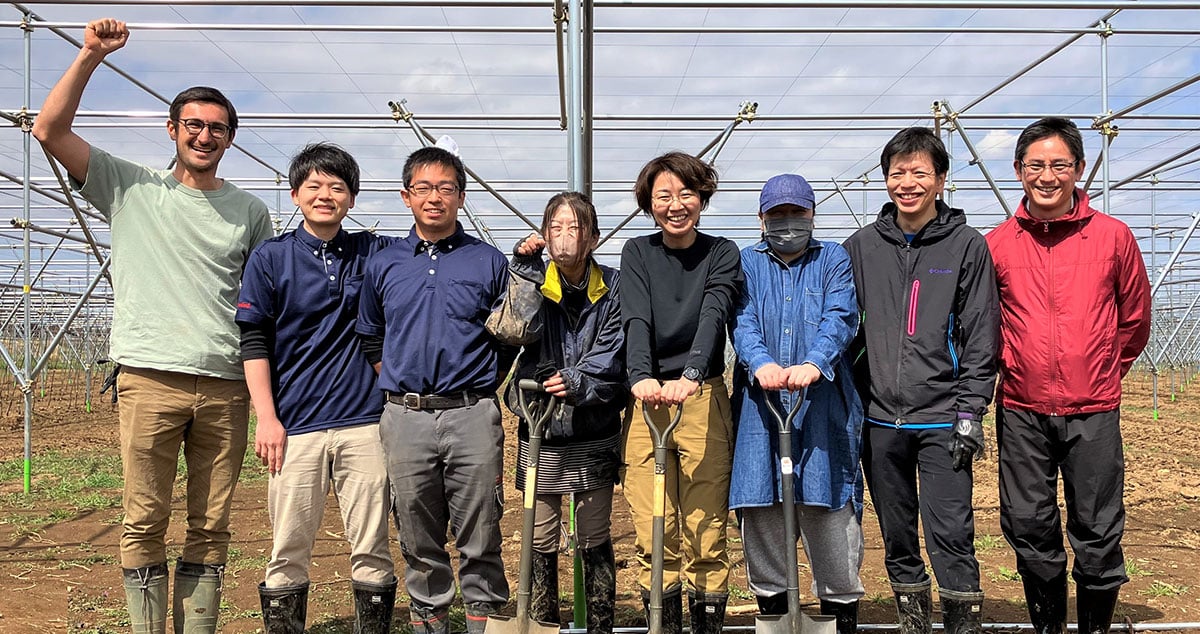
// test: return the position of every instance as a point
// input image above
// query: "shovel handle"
(797, 404)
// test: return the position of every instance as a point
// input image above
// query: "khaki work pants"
(699, 462)
(160, 411)
(350, 460)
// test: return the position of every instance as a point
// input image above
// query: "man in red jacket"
(1075, 313)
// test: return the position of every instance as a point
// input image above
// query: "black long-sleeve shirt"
(676, 305)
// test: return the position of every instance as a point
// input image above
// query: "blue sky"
(346, 79)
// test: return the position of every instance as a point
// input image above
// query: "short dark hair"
(916, 140)
(579, 204)
(1060, 127)
(203, 94)
(325, 158)
(434, 155)
(695, 174)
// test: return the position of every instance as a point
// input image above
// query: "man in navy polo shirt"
(314, 395)
(422, 311)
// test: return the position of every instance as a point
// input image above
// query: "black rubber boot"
(599, 586)
(772, 605)
(428, 620)
(962, 612)
(913, 603)
(1095, 609)
(285, 609)
(672, 614)
(373, 606)
(845, 613)
(707, 611)
(1047, 603)
(146, 598)
(543, 591)
(197, 602)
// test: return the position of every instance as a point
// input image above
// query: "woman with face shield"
(577, 355)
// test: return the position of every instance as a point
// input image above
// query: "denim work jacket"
(805, 311)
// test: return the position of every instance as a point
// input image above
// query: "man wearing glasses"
(1075, 313)
(180, 238)
(422, 308)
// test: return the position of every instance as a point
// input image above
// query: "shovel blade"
(781, 624)
(772, 624)
(513, 625)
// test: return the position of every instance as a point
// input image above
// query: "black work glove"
(967, 442)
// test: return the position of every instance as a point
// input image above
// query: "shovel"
(537, 419)
(795, 621)
(660, 511)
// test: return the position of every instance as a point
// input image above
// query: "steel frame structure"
(63, 299)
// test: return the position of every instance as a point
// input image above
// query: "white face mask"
(788, 235)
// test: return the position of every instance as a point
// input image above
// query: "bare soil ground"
(59, 569)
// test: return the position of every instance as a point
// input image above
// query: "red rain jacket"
(1074, 309)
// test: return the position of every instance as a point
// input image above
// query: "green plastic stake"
(579, 596)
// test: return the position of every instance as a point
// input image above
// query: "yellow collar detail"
(552, 287)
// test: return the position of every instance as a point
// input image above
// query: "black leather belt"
(412, 400)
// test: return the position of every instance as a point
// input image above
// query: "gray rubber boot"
(914, 607)
(1047, 603)
(845, 613)
(284, 609)
(428, 621)
(197, 602)
(477, 614)
(146, 597)
(373, 607)
(543, 591)
(600, 587)
(962, 612)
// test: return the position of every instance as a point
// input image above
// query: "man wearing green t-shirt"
(180, 239)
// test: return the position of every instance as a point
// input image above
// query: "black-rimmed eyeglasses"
(1058, 167)
(217, 129)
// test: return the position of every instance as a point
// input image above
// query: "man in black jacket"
(926, 370)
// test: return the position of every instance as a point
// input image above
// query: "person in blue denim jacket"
(796, 318)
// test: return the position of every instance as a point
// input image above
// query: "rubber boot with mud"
(284, 609)
(197, 603)
(373, 606)
(1047, 601)
(707, 610)
(146, 596)
(600, 586)
(428, 620)
(478, 613)
(962, 612)
(845, 613)
(543, 589)
(913, 607)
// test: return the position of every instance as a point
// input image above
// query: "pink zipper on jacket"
(912, 307)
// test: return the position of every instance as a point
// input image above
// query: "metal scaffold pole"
(26, 140)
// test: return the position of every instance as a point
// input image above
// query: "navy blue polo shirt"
(306, 291)
(428, 301)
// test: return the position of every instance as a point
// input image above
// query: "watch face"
(691, 374)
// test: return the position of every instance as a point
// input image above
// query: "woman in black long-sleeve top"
(678, 290)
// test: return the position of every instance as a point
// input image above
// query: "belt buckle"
(412, 400)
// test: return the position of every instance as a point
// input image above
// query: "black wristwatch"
(692, 374)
